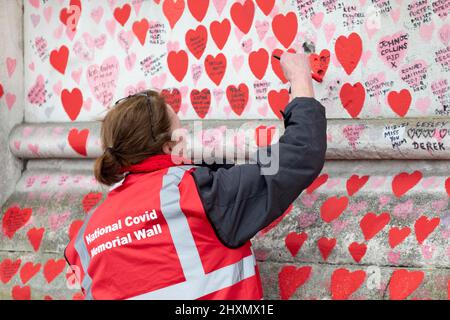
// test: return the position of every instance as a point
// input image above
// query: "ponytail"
(107, 168)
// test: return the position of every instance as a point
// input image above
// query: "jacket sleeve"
(240, 200)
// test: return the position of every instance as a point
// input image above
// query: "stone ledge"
(413, 138)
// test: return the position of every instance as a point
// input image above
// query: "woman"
(170, 230)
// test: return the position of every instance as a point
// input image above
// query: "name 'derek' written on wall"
(124, 239)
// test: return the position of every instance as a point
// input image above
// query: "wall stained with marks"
(374, 225)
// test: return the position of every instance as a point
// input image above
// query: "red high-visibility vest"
(151, 239)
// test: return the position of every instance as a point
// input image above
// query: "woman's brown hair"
(134, 129)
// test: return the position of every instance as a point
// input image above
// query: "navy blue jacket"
(240, 201)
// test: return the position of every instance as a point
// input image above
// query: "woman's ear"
(167, 147)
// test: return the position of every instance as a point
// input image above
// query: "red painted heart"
(28, 271)
(215, 67)
(237, 97)
(8, 269)
(14, 219)
(173, 10)
(198, 8)
(319, 63)
(178, 64)
(371, 224)
(344, 283)
(357, 250)
(404, 181)
(326, 246)
(35, 237)
(258, 61)
(294, 242)
(285, 28)
(242, 15)
(332, 208)
(220, 32)
(291, 278)
(348, 51)
(53, 268)
(72, 102)
(74, 228)
(424, 226)
(140, 30)
(122, 14)
(352, 98)
(21, 293)
(201, 101)
(397, 235)
(400, 101)
(355, 183)
(78, 139)
(403, 283)
(59, 58)
(266, 6)
(196, 40)
(172, 98)
(278, 100)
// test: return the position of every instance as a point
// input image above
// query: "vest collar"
(155, 163)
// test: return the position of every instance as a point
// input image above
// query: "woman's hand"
(297, 70)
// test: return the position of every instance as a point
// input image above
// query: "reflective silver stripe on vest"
(83, 253)
(197, 283)
(178, 225)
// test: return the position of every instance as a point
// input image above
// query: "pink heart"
(218, 95)
(428, 182)
(372, 26)
(403, 209)
(317, 19)
(238, 61)
(306, 219)
(158, 82)
(102, 79)
(333, 182)
(444, 33)
(36, 95)
(271, 43)
(35, 19)
(56, 221)
(393, 257)
(366, 56)
(338, 226)
(76, 75)
(184, 90)
(137, 5)
(196, 71)
(239, 34)
(376, 182)
(10, 100)
(17, 144)
(219, 5)
(172, 46)
(261, 28)
(31, 66)
(58, 32)
(97, 14)
(329, 30)
(423, 104)
(27, 131)
(111, 26)
(48, 11)
(263, 109)
(57, 88)
(426, 31)
(427, 251)
(383, 200)
(34, 148)
(125, 39)
(308, 199)
(247, 46)
(130, 60)
(395, 14)
(87, 104)
(401, 41)
(34, 3)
